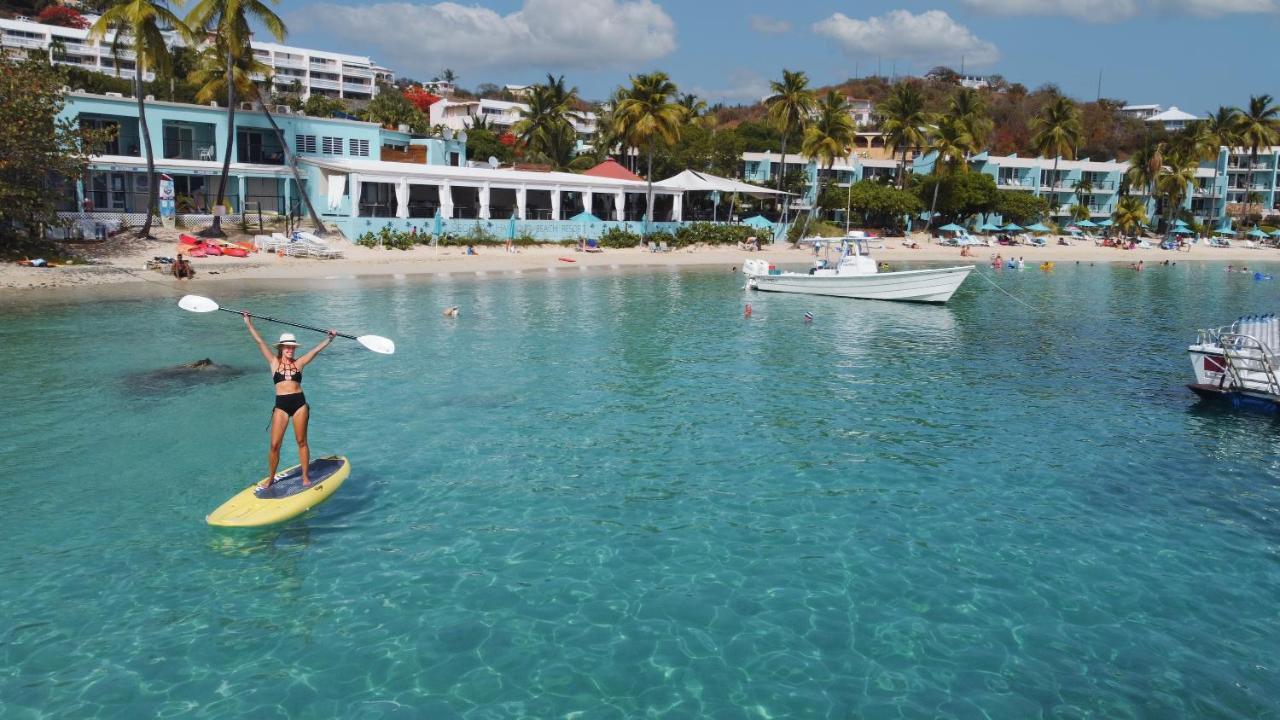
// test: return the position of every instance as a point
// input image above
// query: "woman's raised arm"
(262, 346)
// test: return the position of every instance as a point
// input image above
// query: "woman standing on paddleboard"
(286, 371)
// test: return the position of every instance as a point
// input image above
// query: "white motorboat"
(1238, 364)
(856, 275)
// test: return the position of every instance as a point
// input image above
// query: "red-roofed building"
(611, 169)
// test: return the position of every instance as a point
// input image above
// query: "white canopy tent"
(694, 181)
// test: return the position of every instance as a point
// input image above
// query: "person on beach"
(182, 269)
(291, 404)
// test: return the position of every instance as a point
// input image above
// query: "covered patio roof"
(694, 181)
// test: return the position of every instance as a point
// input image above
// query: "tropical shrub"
(62, 16)
(619, 238)
(389, 238)
(712, 234)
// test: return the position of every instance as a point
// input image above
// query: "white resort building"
(352, 77)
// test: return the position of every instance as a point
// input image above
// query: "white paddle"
(376, 343)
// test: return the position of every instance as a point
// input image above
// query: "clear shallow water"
(608, 495)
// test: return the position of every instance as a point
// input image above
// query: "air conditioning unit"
(246, 106)
(151, 98)
(114, 94)
(284, 110)
(213, 103)
(403, 128)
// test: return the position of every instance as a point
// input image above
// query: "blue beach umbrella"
(585, 217)
(1106, 223)
(438, 226)
(1038, 228)
(1224, 231)
(1012, 227)
(511, 227)
(1180, 223)
(990, 227)
(1257, 233)
(1275, 233)
(1086, 223)
(951, 228)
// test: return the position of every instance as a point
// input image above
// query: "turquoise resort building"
(362, 177)
(1215, 196)
(359, 176)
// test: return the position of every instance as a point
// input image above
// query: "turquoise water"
(607, 494)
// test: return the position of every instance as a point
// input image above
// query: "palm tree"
(1084, 188)
(831, 134)
(1057, 130)
(1220, 130)
(1145, 167)
(950, 142)
(209, 75)
(693, 105)
(139, 23)
(968, 107)
(790, 107)
(228, 22)
(1080, 211)
(1258, 127)
(1178, 176)
(904, 122)
(645, 116)
(546, 125)
(1130, 214)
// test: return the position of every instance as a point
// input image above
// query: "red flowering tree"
(419, 97)
(508, 139)
(62, 16)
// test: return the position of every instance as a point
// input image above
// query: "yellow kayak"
(286, 498)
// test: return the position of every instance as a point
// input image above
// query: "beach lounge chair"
(662, 247)
(1038, 241)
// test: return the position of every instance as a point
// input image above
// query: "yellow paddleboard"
(286, 498)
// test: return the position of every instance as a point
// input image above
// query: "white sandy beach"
(123, 260)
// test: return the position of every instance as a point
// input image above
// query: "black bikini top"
(278, 377)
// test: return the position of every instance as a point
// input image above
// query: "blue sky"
(1195, 54)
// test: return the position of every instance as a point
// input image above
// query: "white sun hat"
(287, 340)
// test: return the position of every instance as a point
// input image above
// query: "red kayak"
(197, 251)
(186, 239)
(235, 251)
(211, 249)
(564, 259)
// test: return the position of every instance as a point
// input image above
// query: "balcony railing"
(356, 71)
(357, 88)
(1025, 183)
(190, 150)
(283, 62)
(324, 84)
(24, 42)
(324, 66)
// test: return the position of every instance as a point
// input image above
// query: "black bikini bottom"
(291, 403)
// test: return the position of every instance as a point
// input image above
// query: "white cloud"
(413, 38)
(742, 86)
(769, 25)
(931, 36)
(1095, 11)
(1216, 8)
